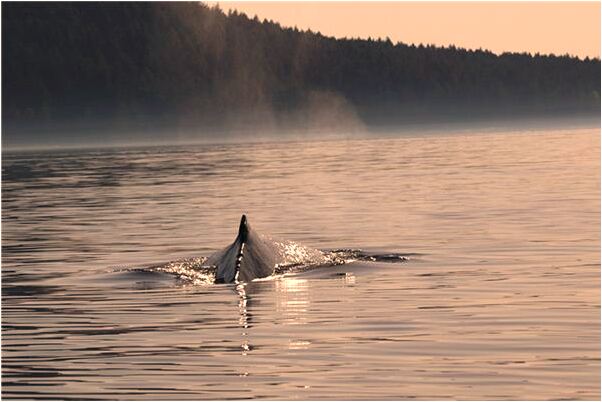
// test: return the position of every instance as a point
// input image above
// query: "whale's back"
(253, 255)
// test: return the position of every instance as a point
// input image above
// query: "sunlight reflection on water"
(501, 299)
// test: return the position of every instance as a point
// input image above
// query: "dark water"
(499, 300)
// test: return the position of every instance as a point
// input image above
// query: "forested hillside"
(189, 65)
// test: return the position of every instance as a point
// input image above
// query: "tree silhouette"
(177, 62)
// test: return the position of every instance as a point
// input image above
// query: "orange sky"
(545, 27)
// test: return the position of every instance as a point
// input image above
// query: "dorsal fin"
(243, 229)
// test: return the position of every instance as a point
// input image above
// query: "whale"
(253, 255)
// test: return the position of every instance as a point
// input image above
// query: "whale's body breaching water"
(253, 255)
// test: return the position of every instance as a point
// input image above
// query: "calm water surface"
(501, 300)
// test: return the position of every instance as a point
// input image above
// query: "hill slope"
(185, 65)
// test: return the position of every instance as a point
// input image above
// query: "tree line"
(188, 63)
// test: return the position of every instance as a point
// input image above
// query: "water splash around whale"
(254, 256)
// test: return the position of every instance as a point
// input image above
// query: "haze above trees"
(186, 65)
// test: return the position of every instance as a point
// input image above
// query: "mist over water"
(499, 300)
(322, 122)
